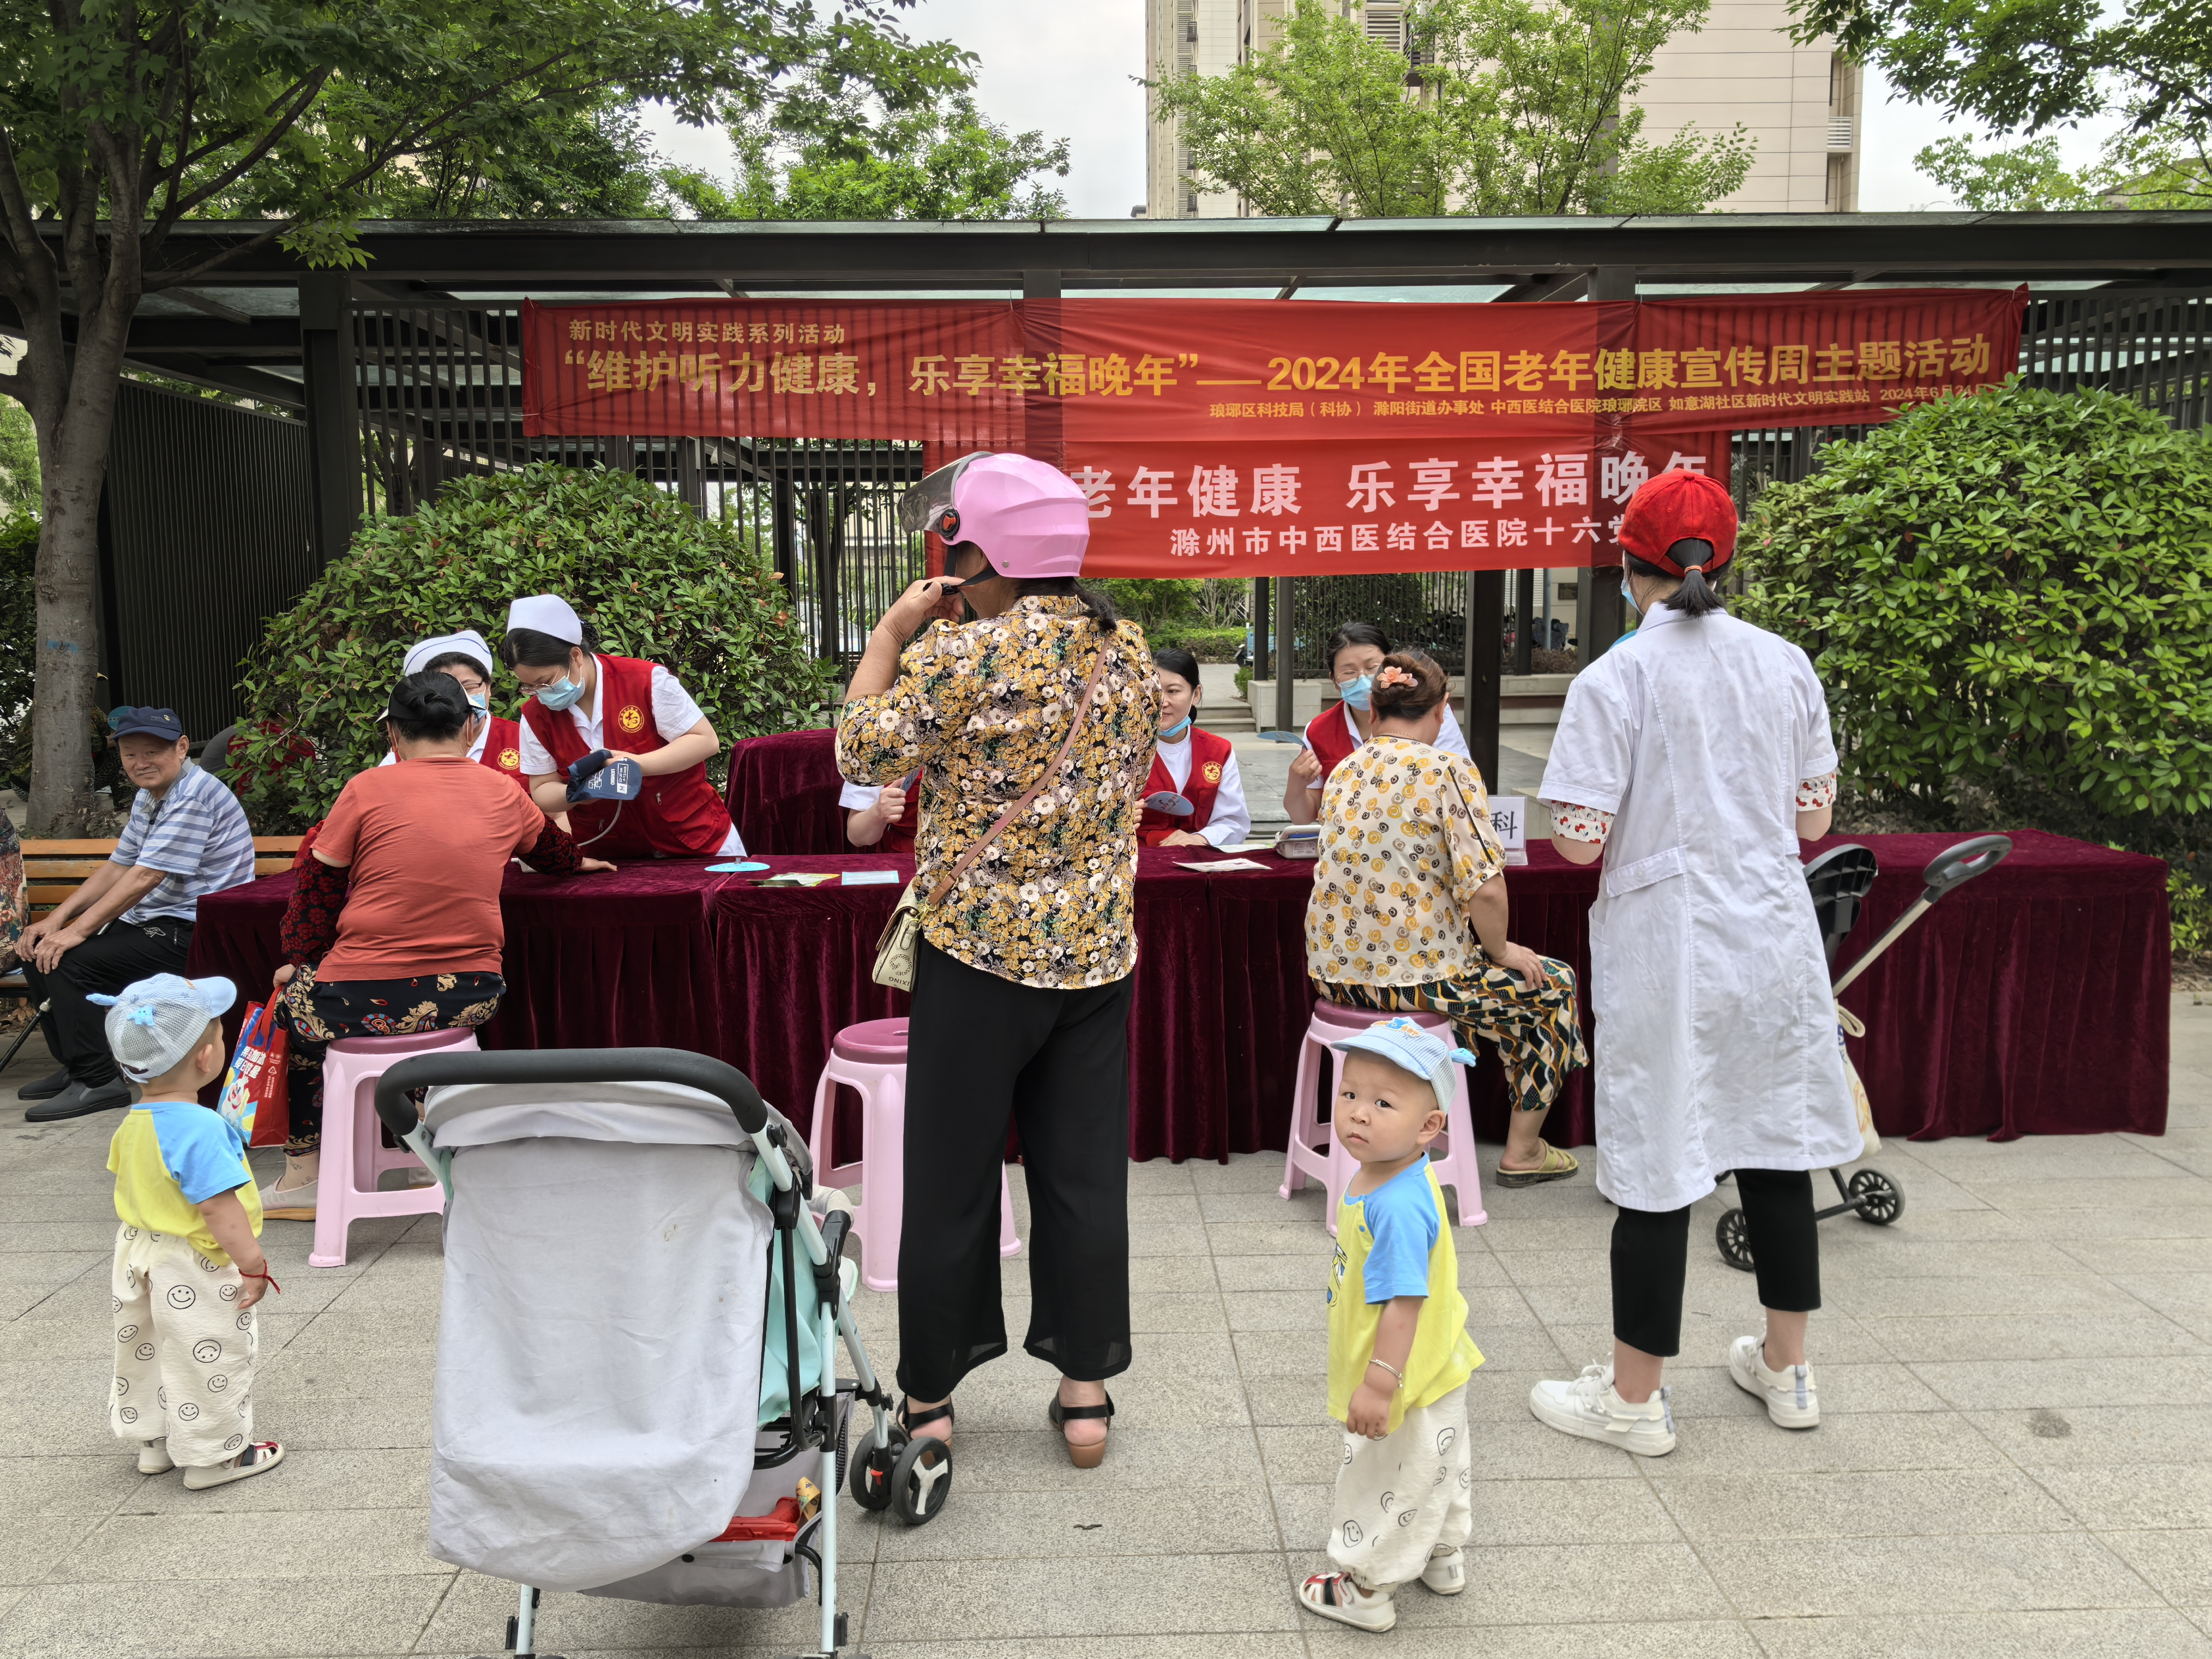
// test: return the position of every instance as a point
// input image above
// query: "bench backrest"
(55, 869)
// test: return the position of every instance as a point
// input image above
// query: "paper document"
(1220, 863)
(871, 878)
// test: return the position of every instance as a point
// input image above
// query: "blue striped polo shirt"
(197, 836)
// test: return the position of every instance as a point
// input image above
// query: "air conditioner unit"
(1839, 133)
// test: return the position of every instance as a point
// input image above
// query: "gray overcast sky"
(1066, 67)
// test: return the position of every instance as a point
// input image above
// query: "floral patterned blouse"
(1406, 839)
(981, 709)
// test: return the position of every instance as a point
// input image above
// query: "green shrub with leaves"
(654, 578)
(2008, 597)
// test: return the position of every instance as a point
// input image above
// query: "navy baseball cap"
(154, 722)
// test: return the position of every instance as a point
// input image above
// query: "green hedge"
(1206, 644)
(2008, 597)
(654, 578)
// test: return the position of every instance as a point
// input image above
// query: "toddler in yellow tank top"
(1399, 1353)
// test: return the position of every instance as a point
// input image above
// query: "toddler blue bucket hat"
(1411, 1047)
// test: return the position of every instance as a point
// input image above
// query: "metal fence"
(206, 532)
(2153, 345)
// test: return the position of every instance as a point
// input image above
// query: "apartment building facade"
(1800, 104)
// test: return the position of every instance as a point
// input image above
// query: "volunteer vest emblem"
(632, 719)
(510, 760)
(1210, 771)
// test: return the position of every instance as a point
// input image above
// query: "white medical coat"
(1716, 1045)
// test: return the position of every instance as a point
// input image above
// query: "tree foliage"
(589, 164)
(2009, 595)
(1516, 107)
(654, 578)
(2137, 170)
(18, 459)
(2027, 65)
(300, 117)
(839, 159)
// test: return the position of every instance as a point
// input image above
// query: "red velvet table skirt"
(2032, 1001)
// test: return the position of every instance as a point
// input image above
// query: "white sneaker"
(1333, 1595)
(154, 1457)
(1446, 1573)
(1591, 1408)
(1792, 1401)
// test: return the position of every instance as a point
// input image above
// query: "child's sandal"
(258, 1458)
(1084, 1457)
(1335, 1595)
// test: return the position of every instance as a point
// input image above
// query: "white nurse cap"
(546, 613)
(467, 641)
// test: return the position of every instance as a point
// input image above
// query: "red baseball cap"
(1679, 506)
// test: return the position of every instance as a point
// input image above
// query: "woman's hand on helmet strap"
(915, 606)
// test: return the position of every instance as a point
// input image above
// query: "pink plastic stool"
(871, 1060)
(354, 1153)
(1452, 1154)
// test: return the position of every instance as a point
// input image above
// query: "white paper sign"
(1508, 816)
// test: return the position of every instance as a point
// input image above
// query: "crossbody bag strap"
(975, 850)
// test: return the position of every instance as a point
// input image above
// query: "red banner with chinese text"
(1040, 374)
(1322, 506)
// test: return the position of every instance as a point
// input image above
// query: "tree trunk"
(66, 690)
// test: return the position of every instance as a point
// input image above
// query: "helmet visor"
(919, 506)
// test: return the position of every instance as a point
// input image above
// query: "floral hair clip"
(1395, 675)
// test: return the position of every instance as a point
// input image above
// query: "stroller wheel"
(1733, 1235)
(921, 1480)
(871, 1475)
(1884, 1198)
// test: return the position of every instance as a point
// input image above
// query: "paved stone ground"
(2017, 1379)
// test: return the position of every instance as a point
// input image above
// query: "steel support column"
(1486, 628)
(333, 399)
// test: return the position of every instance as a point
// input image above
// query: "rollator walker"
(1840, 878)
(637, 1392)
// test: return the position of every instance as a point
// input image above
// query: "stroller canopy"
(600, 1348)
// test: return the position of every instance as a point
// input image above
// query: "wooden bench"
(54, 869)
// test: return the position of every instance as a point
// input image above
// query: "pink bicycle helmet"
(1030, 519)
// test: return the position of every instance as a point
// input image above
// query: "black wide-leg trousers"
(980, 1050)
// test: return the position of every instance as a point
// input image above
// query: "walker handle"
(1954, 866)
(679, 1066)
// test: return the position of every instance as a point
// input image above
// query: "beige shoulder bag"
(895, 950)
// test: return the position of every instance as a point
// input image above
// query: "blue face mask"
(1359, 693)
(1626, 594)
(562, 694)
(1170, 733)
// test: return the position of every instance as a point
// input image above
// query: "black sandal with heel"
(1084, 1457)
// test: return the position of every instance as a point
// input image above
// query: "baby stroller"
(1840, 879)
(636, 1390)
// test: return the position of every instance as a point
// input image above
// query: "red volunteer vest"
(678, 816)
(1332, 742)
(502, 750)
(1209, 758)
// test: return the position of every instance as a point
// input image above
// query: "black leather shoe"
(46, 1088)
(78, 1100)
